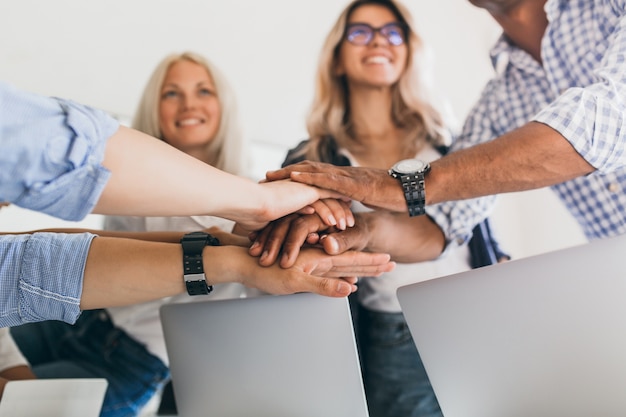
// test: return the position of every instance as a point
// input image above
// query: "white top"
(142, 321)
(10, 355)
(379, 293)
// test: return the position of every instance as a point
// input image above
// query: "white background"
(101, 53)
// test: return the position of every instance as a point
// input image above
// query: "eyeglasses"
(362, 34)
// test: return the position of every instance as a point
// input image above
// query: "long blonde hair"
(411, 110)
(227, 149)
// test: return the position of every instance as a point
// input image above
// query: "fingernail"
(342, 224)
(341, 287)
(255, 245)
(334, 246)
(350, 222)
(264, 255)
(332, 220)
(285, 258)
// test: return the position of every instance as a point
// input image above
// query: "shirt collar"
(505, 52)
(553, 8)
(503, 45)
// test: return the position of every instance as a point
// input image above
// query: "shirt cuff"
(51, 276)
(73, 194)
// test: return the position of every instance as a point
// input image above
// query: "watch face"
(409, 166)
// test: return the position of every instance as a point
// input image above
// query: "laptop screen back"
(272, 356)
(543, 336)
(53, 398)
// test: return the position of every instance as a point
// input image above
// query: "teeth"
(189, 122)
(378, 60)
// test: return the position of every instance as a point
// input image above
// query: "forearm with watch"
(120, 272)
(193, 245)
(411, 174)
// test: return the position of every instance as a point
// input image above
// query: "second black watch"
(193, 271)
(410, 173)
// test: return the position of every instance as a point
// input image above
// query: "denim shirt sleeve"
(41, 276)
(52, 153)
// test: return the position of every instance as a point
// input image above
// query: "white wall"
(101, 53)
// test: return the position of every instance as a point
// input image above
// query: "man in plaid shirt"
(553, 115)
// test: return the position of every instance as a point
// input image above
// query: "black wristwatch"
(193, 271)
(410, 173)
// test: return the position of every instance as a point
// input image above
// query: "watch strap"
(414, 193)
(193, 271)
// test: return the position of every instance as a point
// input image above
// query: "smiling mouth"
(189, 122)
(378, 60)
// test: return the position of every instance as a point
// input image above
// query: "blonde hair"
(227, 149)
(411, 110)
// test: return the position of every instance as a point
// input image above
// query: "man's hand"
(285, 237)
(406, 239)
(373, 187)
(290, 232)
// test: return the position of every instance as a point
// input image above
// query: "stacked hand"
(371, 186)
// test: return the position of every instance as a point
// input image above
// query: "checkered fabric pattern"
(579, 89)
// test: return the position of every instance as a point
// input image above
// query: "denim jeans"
(395, 381)
(94, 348)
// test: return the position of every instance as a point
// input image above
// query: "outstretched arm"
(126, 271)
(52, 276)
(66, 160)
(530, 157)
(151, 178)
(533, 156)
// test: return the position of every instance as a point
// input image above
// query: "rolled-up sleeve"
(41, 276)
(593, 118)
(52, 153)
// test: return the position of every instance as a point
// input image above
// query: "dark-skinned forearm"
(406, 239)
(533, 156)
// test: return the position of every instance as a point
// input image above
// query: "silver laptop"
(543, 336)
(53, 398)
(270, 356)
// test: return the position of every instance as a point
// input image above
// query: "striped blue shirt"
(580, 91)
(52, 151)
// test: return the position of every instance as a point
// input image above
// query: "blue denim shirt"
(51, 161)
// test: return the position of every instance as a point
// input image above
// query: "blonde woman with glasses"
(371, 108)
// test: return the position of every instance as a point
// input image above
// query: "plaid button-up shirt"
(580, 91)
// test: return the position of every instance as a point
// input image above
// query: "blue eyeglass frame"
(383, 30)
